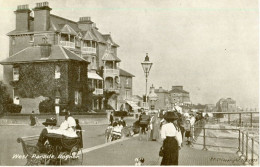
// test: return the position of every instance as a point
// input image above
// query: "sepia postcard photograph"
(129, 82)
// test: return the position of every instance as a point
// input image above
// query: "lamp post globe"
(146, 64)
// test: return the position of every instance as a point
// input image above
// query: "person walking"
(171, 143)
(111, 118)
(155, 127)
(33, 119)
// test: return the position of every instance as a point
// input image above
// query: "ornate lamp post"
(146, 67)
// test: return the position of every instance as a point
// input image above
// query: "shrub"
(47, 106)
(13, 108)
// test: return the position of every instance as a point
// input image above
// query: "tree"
(5, 99)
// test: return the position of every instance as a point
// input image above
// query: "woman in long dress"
(171, 144)
(155, 122)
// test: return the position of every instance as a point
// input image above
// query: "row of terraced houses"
(70, 62)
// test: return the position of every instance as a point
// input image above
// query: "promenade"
(124, 153)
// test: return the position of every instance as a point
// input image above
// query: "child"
(187, 127)
(116, 131)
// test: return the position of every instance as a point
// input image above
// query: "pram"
(65, 149)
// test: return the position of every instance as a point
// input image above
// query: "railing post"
(204, 139)
(228, 118)
(246, 160)
(251, 119)
(239, 119)
(239, 140)
(252, 152)
(242, 154)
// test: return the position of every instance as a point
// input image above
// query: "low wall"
(25, 120)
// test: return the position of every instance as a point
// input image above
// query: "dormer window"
(57, 72)
(15, 73)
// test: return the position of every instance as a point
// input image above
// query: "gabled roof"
(109, 56)
(177, 91)
(125, 73)
(88, 35)
(55, 21)
(33, 54)
(67, 29)
(108, 37)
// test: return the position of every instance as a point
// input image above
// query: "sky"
(208, 46)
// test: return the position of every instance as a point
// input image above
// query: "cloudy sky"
(208, 46)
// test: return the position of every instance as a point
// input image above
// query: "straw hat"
(171, 115)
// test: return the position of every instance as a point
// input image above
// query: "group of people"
(174, 128)
(170, 127)
(69, 128)
(115, 127)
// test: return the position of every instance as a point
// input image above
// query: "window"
(57, 100)
(78, 98)
(16, 98)
(57, 72)
(127, 81)
(15, 73)
(127, 94)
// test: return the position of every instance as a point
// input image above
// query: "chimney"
(22, 17)
(177, 87)
(42, 16)
(94, 26)
(45, 48)
(85, 23)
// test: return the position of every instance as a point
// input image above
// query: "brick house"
(163, 99)
(81, 37)
(178, 96)
(125, 102)
(48, 71)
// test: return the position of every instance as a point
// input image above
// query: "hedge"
(47, 106)
(13, 108)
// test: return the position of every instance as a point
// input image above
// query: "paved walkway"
(124, 153)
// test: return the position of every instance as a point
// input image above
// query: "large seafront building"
(226, 105)
(176, 96)
(80, 39)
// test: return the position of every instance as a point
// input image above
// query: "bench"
(31, 151)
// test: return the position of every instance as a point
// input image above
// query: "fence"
(246, 145)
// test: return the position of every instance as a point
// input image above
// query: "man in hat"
(49, 123)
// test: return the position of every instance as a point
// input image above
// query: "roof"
(109, 56)
(60, 24)
(33, 54)
(108, 37)
(92, 75)
(88, 35)
(125, 73)
(177, 91)
(163, 91)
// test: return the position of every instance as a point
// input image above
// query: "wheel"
(76, 156)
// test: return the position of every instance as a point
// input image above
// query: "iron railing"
(246, 143)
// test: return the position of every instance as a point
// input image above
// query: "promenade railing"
(243, 143)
